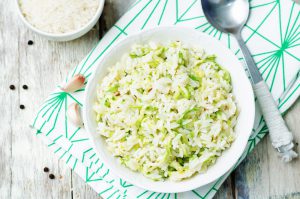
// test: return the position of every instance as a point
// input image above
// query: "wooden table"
(43, 65)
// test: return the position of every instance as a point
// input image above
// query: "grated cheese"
(58, 16)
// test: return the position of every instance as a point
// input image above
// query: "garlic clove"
(74, 84)
(74, 114)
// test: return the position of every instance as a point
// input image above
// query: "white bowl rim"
(62, 35)
(178, 188)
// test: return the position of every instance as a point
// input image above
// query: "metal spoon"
(230, 16)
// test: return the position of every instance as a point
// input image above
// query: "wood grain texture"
(227, 189)
(263, 175)
(42, 66)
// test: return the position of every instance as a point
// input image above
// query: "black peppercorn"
(30, 42)
(22, 106)
(25, 87)
(51, 176)
(12, 87)
(46, 169)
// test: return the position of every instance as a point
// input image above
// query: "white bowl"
(64, 36)
(241, 88)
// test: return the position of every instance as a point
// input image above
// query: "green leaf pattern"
(273, 36)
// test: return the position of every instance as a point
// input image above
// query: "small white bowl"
(241, 89)
(64, 36)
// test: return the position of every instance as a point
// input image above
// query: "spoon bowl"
(226, 15)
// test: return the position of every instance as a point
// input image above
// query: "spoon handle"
(281, 137)
(253, 70)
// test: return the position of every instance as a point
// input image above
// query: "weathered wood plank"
(40, 66)
(226, 191)
(264, 175)
(8, 100)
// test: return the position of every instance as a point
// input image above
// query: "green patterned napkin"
(272, 34)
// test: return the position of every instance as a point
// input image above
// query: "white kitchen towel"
(272, 35)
